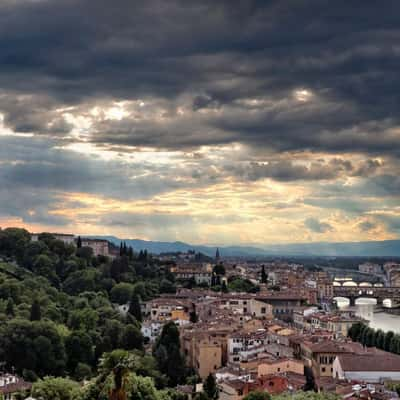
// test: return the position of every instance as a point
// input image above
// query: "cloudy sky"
(215, 122)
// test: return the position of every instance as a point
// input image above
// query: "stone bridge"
(354, 283)
(379, 293)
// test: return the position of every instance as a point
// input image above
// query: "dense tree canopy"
(370, 337)
(258, 395)
(57, 308)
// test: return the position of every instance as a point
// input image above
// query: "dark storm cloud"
(38, 165)
(32, 114)
(287, 170)
(315, 225)
(216, 56)
(35, 175)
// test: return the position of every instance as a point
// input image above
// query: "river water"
(366, 308)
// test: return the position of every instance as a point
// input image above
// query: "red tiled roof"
(370, 362)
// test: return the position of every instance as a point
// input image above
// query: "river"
(366, 308)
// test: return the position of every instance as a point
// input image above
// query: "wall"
(283, 366)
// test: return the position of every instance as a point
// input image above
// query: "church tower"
(217, 256)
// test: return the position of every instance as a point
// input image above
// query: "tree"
(134, 307)
(380, 339)
(85, 252)
(79, 349)
(258, 395)
(388, 339)
(168, 354)
(395, 344)
(10, 308)
(132, 338)
(210, 387)
(364, 335)
(201, 396)
(55, 389)
(370, 338)
(193, 317)
(219, 269)
(121, 293)
(13, 242)
(36, 313)
(130, 253)
(361, 332)
(79, 242)
(354, 331)
(237, 284)
(82, 371)
(264, 276)
(117, 380)
(167, 286)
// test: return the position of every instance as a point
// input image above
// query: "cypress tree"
(36, 312)
(364, 335)
(394, 344)
(210, 387)
(193, 317)
(167, 351)
(370, 337)
(79, 242)
(360, 332)
(134, 307)
(380, 339)
(264, 277)
(130, 253)
(10, 307)
(388, 339)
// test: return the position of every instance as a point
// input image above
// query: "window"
(263, 311)
(323, 369)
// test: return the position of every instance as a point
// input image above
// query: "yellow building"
(208, 357)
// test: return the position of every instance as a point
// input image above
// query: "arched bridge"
(355, 283)
(379, 293)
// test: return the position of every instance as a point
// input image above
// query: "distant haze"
(384, 248)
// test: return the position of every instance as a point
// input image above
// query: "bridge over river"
(379, 293)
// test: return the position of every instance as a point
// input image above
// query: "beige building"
(164, 308)
(99, 246)
(208, 356)
(204, 352)
(242, 304)
(320, 356)
(268, 367)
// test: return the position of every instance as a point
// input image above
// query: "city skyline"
(267, 122)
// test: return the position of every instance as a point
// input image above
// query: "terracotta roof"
(330, 346)
(370, 362)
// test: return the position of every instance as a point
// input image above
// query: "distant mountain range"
(384, 248)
